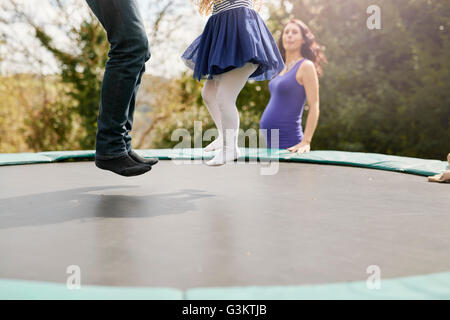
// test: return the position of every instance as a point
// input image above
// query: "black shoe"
(124, 166)
(150, 161)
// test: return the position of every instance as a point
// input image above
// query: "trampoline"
(189, 231)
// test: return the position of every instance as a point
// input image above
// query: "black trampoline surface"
(186, 226)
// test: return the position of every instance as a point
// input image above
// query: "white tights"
(220, 95)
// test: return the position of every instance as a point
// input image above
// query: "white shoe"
(223, 157)
(215, 145)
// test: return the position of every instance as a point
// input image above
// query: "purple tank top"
(285, 109)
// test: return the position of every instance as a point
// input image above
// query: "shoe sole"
(124, 174)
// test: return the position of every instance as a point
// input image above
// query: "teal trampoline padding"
(68, 155)
(417, 166)
(7, 159)
(29, 290)
(424, 287)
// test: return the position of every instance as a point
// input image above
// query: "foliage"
(82, 71)
(34, 116)
(383, 91)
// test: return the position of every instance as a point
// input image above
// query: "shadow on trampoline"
(92, 203)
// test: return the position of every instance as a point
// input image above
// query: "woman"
(297, 84)
(235, 46)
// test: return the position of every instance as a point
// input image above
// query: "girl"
(292, 88)
(235, 46)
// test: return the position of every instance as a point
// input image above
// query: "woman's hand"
(302, 147)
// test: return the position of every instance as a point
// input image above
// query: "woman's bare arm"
(307, 76)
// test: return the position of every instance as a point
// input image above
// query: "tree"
(383, 90)
(81, 60)
(81, 65)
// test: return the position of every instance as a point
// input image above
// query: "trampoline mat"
(186, 226)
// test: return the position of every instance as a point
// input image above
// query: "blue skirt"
(231, 39)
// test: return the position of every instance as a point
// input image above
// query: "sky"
(165, 59)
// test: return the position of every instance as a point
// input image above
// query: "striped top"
(231, 4)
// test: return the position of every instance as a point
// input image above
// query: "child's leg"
(230, 85)
(209, 94)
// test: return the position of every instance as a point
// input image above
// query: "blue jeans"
(124, 70)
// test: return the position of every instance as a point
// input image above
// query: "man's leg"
(129, 125)
(128, 54)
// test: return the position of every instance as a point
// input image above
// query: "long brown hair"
(310, 49)
(206, 6)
